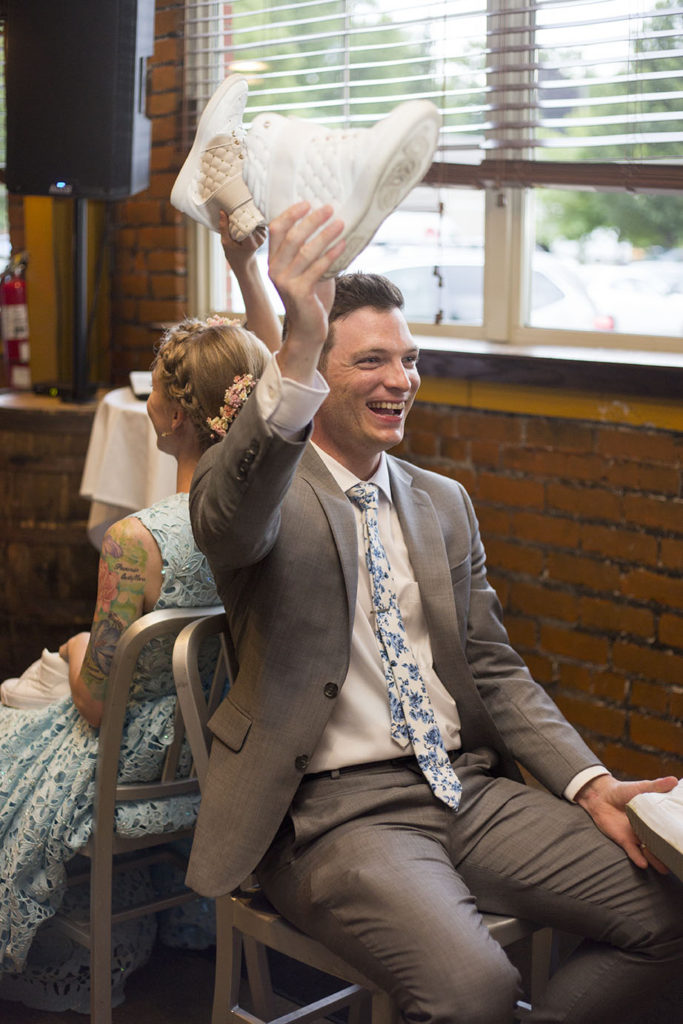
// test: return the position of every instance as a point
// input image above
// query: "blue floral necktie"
(412, 714)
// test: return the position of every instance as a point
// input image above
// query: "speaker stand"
(81, 389)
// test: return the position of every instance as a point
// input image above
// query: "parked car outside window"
(643, 298)
(454, 287)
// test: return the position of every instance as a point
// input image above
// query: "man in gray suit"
(386, 853)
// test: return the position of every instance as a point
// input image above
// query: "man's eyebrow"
(377, 350)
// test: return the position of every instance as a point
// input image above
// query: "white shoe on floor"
(43, 682)
(364, 173)
(211, 180)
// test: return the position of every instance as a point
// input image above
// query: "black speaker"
(76, 76)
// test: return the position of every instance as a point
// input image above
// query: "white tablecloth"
(124, 470)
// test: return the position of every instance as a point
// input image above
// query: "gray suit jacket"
(281, 540)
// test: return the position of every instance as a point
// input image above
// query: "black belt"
(409, 762)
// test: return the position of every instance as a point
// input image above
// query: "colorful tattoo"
(120, 594)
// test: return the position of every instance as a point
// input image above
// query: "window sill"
(618, 371)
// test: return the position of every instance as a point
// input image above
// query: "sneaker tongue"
(235, 199)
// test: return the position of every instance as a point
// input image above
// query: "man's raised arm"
(297, 260)
(240, 483)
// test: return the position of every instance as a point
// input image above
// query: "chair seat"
(254, 916)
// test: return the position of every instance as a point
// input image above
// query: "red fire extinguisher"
(14, 322)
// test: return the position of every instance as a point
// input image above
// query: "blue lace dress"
(47, 773)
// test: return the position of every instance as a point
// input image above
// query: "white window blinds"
(559, 92)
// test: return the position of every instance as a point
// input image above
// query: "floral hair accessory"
(221, 321)
(234, 399)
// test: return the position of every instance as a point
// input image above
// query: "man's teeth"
(393, 406)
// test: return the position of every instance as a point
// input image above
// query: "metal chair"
(105, 849)
(247, 923)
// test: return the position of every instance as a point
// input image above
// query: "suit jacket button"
(331, 690)
(301, 762)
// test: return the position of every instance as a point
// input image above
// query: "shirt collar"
(346, 479)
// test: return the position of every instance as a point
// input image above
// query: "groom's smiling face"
(371, 370)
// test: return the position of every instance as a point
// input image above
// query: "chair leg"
(226, 993)
(383, 1009)
(100, 942)
(541, 960)
(360, 1011)
(100, 975)
(258, 974)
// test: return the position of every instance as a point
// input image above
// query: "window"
(558, 177)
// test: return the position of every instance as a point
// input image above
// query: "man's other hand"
(605, 799)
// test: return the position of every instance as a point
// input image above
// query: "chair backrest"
(195, 706)
(95, 930)
(166, 622)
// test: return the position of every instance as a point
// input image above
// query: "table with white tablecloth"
(124, 470)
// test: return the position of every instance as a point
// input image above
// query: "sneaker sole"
(407, 165)
(661, 847)
(181, 188)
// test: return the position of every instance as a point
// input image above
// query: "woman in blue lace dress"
(148, 561)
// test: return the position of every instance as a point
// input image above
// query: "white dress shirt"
(359, 727)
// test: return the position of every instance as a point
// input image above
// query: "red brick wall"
(583, 527)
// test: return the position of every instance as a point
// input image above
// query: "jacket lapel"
(429, 559)
(339, 513)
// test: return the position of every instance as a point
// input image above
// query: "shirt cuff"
(286, 405)
(581, 779)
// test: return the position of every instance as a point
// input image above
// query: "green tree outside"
(644, 220)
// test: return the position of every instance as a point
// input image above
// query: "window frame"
(508, 228)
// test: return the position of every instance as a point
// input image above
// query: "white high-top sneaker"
(43, 682)
(657, 820)
(211, 180)
(363, 173)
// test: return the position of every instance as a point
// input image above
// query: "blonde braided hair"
(196, 360)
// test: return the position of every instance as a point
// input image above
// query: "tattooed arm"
(128, 586)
